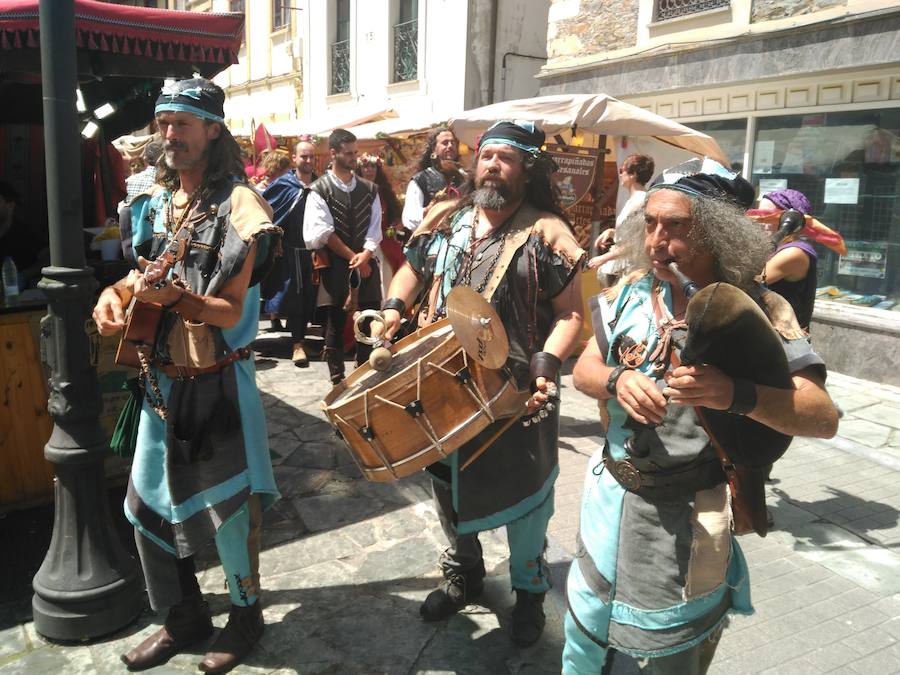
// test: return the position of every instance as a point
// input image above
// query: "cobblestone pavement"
(346, 562)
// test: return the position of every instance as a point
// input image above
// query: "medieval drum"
(432, 399)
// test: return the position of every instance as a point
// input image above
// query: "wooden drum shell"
(399, 444)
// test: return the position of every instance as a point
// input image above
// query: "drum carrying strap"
(524, 223)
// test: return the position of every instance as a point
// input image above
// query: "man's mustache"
(174, 145)
(492, 179)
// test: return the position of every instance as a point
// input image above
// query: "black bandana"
(526, 136)
(706, 178)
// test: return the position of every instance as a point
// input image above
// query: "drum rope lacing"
(417, 412)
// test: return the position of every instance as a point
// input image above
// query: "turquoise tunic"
(193, 499)
(647, 580)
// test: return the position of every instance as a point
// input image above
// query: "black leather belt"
(665, 484)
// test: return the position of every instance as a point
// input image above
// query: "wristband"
(744, 400)
(193, 306)
(544, 364)
(171, 305)
(613, 378)
(394, 303)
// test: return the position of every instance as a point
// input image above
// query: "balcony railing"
(671, 9)
(340, 67)
(406, 51)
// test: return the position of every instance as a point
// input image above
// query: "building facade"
(799, 93)
(308, 65)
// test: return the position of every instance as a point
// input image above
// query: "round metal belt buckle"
(628, 475)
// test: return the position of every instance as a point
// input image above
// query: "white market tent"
(400, 127)
(589, 113)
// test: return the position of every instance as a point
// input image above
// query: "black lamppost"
(88, 584)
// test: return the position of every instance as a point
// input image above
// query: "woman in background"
(634, 174)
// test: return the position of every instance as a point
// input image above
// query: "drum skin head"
(477, 327)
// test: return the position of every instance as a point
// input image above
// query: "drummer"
(509, 240)
(659, 569)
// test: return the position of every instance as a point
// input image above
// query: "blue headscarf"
(197, 96)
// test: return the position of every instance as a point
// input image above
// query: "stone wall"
(767, 10)
(590, 27)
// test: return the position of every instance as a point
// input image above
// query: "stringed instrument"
(142, 318)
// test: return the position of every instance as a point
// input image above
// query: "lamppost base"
(88, 584)
(82, 616)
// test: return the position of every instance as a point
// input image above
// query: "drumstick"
(489, 442)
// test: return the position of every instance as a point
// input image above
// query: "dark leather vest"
(430, 182)
(206, 232)
(351, 211)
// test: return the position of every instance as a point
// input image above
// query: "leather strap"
(664, 484)
(517, 234)
(176, 372)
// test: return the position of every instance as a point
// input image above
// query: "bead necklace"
(190, 205)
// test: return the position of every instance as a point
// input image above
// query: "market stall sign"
(575, 181)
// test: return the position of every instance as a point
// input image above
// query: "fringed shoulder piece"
(556, 235)
(251, 215)
(436, 217)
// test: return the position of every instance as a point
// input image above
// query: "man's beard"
(490, 198)
(493, 194)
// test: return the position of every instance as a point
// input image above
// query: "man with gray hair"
(658, 568)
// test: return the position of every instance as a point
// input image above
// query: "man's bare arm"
(805, 410)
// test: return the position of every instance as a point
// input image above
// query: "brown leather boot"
(244, 629)
(187, 623)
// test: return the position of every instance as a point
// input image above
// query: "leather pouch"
(191, 344)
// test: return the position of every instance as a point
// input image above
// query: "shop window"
(672, 9)
(406, 41)
(340, 49)
(848, 164)
(730, 135)
(236, 6)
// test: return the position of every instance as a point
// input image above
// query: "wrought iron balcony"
(340, 67)
(406, 51)
(670, 9)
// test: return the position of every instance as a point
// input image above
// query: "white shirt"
(414, 207)
(634, 202)
(318, 223)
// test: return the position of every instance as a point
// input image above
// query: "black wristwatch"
(614, 378)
